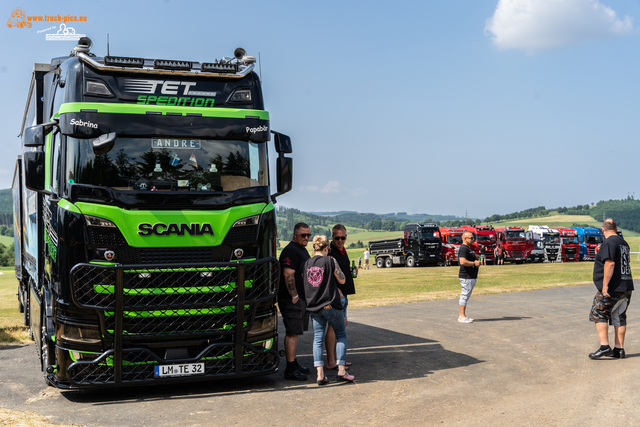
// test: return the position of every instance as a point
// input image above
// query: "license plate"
(182, 370)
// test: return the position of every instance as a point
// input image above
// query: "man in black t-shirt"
(468, 274)
(291, 300)
(612, 277)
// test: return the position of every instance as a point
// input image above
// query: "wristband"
(294, 297)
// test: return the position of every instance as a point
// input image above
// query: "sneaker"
(465, 320)
(295, 376)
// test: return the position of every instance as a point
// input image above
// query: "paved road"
(523, 362)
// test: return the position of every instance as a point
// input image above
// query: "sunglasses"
(304, 235)
(340, 238)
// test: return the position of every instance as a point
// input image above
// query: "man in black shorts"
(291, 299)
(612, 277)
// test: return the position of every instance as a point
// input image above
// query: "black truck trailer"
(420, 246)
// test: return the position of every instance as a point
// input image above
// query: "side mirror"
(282, 143)
(284, 173)
(34, 135)
(33, 164)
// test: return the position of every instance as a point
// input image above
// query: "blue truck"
(588, 238)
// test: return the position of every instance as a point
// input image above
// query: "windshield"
(570, 240)
(429, 235)
(514, 234)
(551, 239)
(486, 238)
(455, 239)
(168, 164)
(593, 239)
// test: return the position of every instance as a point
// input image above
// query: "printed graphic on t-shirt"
(286, 261)
(315, 276)
(625, 264)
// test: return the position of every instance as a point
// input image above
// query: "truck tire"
(388, 262)
(411, 261)
(380, 262)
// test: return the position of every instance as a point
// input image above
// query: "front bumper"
(143, 307)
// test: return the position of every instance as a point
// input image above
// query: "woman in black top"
(321, 276)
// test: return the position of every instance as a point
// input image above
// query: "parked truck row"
(428, 244)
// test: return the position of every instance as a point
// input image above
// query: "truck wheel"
(380, 262)
(388, 262)
(411, 261)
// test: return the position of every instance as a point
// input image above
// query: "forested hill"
(6, 201)
(625, 212)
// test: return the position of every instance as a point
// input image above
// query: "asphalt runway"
(522, 362)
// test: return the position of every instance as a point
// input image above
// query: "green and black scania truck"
(145, 227)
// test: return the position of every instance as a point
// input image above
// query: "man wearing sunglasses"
(291, 299)
(468, 274)
(337, 250)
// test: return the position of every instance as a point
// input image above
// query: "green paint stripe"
(174, 313)
(113, 108)
(68, 206)
(108, 289)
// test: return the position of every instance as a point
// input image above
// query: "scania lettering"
(178, 229)
(420, 246)
(145, 235)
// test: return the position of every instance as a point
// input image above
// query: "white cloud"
(534, 25)
(309, 188)
(331, 187)
(359, 192)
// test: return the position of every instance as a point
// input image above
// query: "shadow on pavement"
(377, 354)
(500, 318)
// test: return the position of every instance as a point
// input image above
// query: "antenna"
(260, 62)
(107, 44)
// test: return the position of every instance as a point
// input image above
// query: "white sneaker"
(465, 320)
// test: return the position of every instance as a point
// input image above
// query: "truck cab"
(589, 238)
(451, 238)
(569, 247)
(515, 243)
(486, 236)
(422, 241)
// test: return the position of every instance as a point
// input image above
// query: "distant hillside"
(6, 201)
(396, 216)
(625, 212)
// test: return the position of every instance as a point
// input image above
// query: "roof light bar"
(172, 65)
(122, 61)
(219, 67)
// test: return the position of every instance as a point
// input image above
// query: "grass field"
(6, 240)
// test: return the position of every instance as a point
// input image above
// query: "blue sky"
(434, 107)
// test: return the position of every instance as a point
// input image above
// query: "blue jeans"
(319, 321)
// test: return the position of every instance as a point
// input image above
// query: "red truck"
(485, 235)
(569, 246)
(514, 240)
(451, 240)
